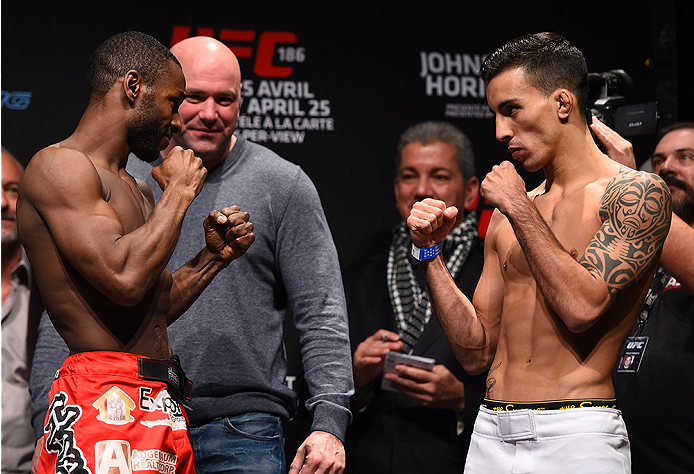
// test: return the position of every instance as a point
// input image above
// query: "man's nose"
(503, 132)
(208, 110)
(423, 188)
(666, 167)
(176, 123)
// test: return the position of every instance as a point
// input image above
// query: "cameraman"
(661, 443)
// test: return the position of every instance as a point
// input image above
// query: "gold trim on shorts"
(497, 405)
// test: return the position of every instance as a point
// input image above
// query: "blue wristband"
(426, 253)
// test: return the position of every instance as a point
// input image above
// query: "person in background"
(230, 340)
(662, 339)
(21, 310)
(396, 431)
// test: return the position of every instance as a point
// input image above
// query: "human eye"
(176, 103)
(226, 101)
(193, 98)
(657, 161)
(686, 157)
(506, 111)
(508, 107)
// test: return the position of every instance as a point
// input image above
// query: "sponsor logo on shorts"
(115, 457)
(112, 457)
(164, 403)
(60, 436)
(154, 460)
(114, 407)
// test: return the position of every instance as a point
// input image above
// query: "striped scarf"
(410, 302)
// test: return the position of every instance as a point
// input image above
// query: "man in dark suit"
(424, 424)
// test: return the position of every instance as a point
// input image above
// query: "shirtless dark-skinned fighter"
(100, 248)
(566, 268)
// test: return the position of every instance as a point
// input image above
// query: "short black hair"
(549, 60)
(130, 50)
(675, 126)
(429, 132)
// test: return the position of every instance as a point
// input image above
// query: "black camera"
(608, 104)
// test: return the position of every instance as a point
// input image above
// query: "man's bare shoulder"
(56, 171)
(58, 159)
(498, 227)
(625, 174)
(538, 191)
(636, 210)
(640, 190)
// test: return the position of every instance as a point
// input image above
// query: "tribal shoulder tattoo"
(636, 210)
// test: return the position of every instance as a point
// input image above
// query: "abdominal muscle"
(539, 359)
(88, 321)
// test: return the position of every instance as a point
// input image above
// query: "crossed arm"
(228, 234)
(119, 257)
(105, 235)
(636, 211)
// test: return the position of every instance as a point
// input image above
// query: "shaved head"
(213, 98)
(202, 52)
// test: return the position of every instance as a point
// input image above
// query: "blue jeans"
(250, 443)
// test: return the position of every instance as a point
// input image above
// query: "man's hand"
(37, 455)
(617, 148)
(228, 234)
(181, 168)
(503, 187)
(371, 354)
(436, 389)
(430, 221)
(321, 453)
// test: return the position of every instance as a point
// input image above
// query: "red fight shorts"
(104, 418)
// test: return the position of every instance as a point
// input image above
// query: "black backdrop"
(332, 87)
(356, 70)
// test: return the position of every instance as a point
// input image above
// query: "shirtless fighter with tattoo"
(99, 248)
(566, 268)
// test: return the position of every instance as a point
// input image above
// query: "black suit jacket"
(391, 434)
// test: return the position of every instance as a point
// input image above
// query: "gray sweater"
(230, 340)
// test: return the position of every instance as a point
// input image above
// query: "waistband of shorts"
(125, 364)
(497, 405)
(101, 363)
(527, 424)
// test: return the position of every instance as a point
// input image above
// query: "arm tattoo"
(636, 210)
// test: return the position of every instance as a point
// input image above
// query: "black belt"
(170, 372)
(497, 405)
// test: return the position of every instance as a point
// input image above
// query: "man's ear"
(472, 190)
(396, 190)
(238, 112)
(133, 86)
(565, 103)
